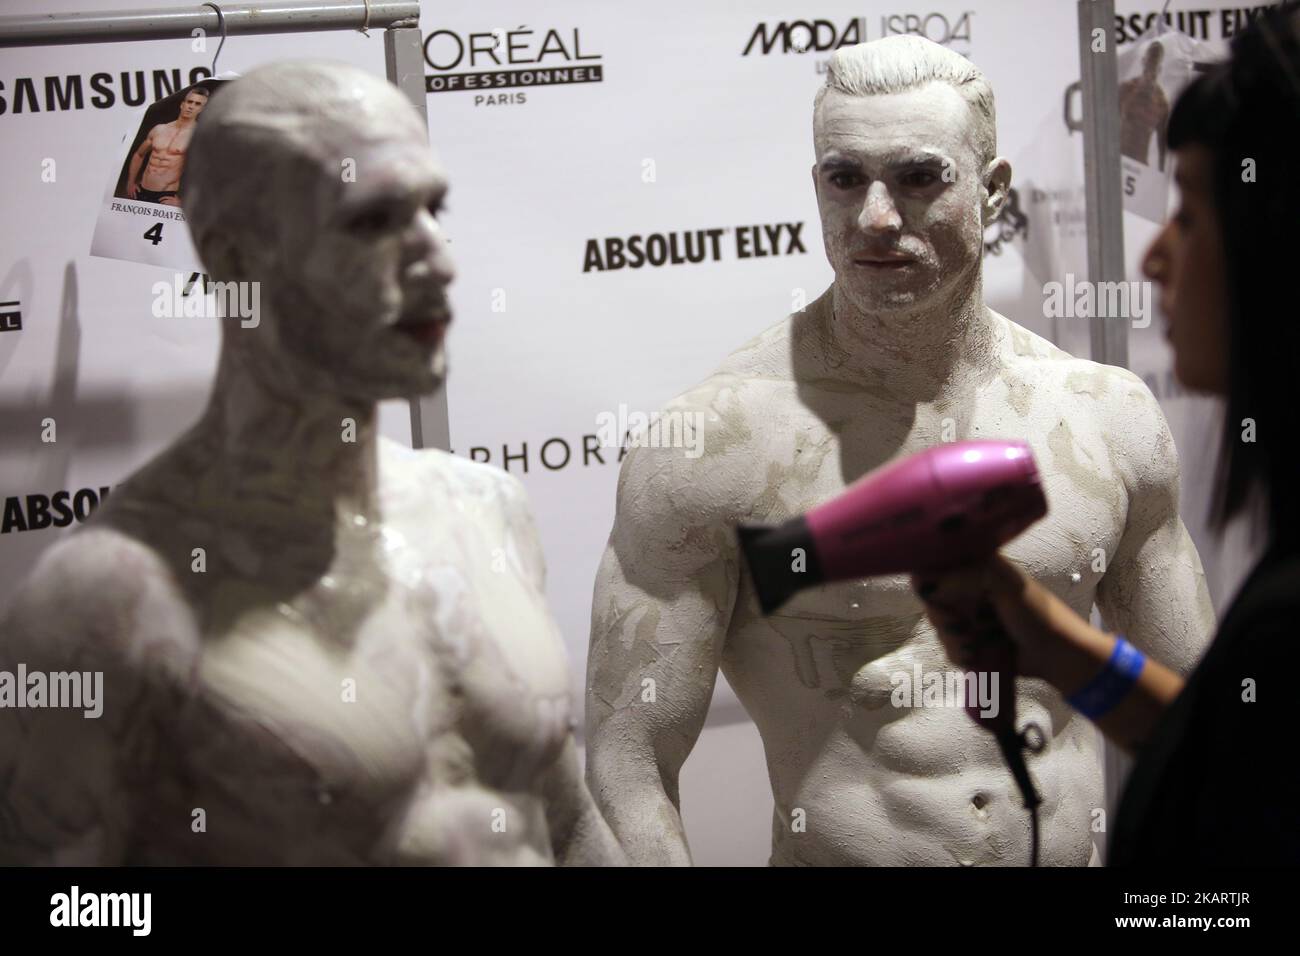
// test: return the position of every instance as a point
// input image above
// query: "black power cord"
(1014, 745)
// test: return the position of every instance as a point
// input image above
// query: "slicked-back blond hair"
(905, 62)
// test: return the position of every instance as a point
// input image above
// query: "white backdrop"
(682, 131)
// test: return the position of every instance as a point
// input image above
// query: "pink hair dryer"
(935, 510)
(932, 511)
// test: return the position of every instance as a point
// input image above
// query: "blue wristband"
(1108, 688)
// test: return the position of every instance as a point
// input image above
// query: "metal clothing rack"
(1101, 170)
(1099, 79)
(403, 59)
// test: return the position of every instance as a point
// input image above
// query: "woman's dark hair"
(1249, 109)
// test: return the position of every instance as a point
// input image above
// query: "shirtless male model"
(316, 646)
(165, 146)
(901, 353)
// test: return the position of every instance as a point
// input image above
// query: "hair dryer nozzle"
(782, 559)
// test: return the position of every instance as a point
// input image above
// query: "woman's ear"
(997, 187)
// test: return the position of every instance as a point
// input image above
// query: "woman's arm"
(1082, 657)
(1053, 643)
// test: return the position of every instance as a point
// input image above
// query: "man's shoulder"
(1023, 346)
(440, 477)
(737, 411)
(1111, 388)
(102, 560)
(1052, 365)
(758, 369)
(765, 356)
(1128, 416)
(730, 406)
(89, 592)
(765, 365)
(702, 458)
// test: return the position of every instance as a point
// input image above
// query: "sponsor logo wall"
(631, 201)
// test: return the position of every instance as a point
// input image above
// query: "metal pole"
(404, 58)
(44, 29)
(1101, 166)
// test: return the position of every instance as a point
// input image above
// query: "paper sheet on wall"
(141, 218)
(1152, 72)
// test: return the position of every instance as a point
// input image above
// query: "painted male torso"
(857, 780)
(166, 158)
(396, 708)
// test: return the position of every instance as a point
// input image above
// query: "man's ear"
(817, 186)
(997, 189)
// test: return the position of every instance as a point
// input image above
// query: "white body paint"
(893, 359)
(359, 666)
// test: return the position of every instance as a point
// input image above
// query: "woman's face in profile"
(1186, 261)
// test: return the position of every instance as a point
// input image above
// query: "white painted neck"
(302, 446)
(916, 355)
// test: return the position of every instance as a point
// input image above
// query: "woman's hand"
(973, 607)
(994, 597)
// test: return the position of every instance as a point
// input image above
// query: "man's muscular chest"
(834, 630)
(170, 145)
(346, 702)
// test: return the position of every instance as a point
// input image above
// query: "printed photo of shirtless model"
(152, 171)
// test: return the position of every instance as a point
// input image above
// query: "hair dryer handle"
(993, 653)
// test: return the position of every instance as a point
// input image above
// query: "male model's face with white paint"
(898, 232)
(358, 269)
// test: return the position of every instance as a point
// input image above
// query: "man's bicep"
(1154, 589)
(662, 603)
(656, 637)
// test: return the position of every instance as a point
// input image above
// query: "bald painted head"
(315, 179)
(907, 175)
